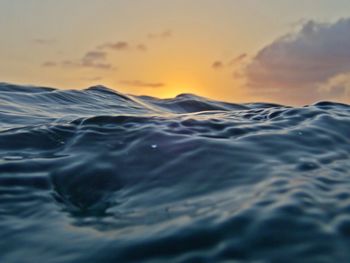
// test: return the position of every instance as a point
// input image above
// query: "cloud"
(338, 86)
(86, 64)
(44, 41)
(238, 59)
(120, 45)
(138, 83)
(49, 64)
(299, 65)
(91, 59)
(94, 55)
(94, 59)
(130, 46)
(103, 66)
(217, 65)
(165, 34)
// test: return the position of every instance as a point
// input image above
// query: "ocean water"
(99, 176)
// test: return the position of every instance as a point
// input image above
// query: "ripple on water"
(98, 176)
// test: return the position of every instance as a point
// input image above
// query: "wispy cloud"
(44, 41)
(217, 65)
(138, 83)
(91, 59)
(95, 59)
(120, 45)
(299, 65)
(49, 64)
(237, 61)
(94, 55)
(161, 35)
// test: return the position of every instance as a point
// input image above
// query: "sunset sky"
(293, 52)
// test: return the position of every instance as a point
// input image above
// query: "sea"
(98, 176)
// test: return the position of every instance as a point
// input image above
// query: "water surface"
(99, 176)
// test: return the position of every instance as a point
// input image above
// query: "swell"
(186, 179)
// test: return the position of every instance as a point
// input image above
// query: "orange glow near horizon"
(165, 48)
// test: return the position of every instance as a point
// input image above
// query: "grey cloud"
(301, 62)
(120, 45)
(86, 64)
(233, 62)
(95, 59)
(91, 59)
(238, 59)
(94, 55)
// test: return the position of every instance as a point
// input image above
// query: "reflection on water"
(98, 176)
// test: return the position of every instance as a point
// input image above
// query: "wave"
(99, 176)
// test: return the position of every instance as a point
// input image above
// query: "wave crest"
(185, 179)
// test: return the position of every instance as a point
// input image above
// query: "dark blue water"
(99, 176)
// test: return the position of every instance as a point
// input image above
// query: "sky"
(291, 52)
